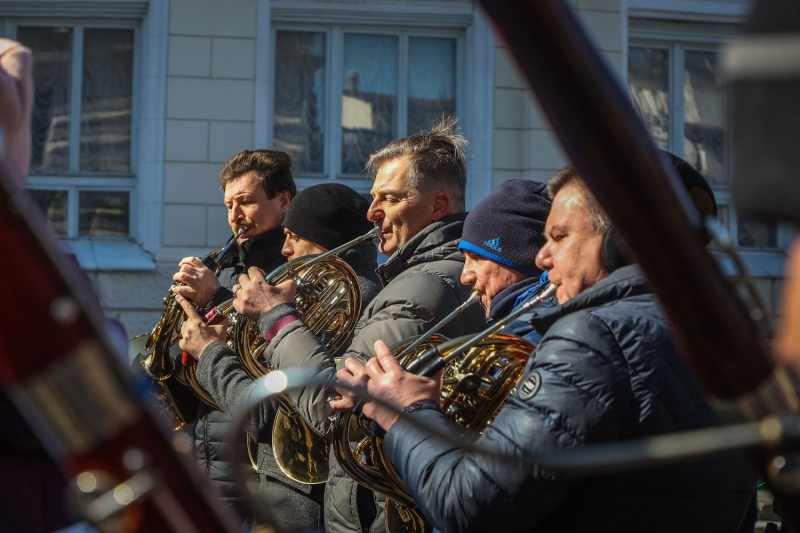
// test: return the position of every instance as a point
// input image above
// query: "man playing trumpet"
(606, 369)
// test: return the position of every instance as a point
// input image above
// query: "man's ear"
(285, 198)
(440, 203)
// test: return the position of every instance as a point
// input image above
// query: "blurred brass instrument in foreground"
(480, 371)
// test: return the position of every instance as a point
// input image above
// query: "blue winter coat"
(609, 371)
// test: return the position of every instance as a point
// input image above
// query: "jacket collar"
(622, 283)
(261, 249)
(505, 301)
(436, 242)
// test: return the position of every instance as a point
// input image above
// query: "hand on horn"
(196, 335)
(390, 382)
(353, 376)
(200, 282)
(255, 296)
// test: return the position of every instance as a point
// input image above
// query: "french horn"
(162, 361)
(480, 371)
(328, 299)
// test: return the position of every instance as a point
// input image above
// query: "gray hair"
(569, 176)
(437, 160)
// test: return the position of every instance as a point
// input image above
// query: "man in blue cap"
(501, 238)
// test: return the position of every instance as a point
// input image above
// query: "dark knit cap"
(691, 179)
(329, 215)
(507, 226)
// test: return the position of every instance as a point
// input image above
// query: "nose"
(544, 259)
(235, 214)
(374, 213)
(287, 250)
(468, 276)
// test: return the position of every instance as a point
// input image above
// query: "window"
(676, 85)
(82, 167)
(340, 94)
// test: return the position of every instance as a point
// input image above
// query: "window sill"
(100, 256)
(760, 264)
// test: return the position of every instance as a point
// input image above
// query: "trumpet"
(480, 371)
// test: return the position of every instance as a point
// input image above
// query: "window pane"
(369, 101)
(103, 213)
(52, 54)
(704, 116)
(431, 81)
(756, 233)
(648, 87)
(299, 124)
(106, 100)
(54, 206)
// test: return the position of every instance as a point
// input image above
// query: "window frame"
(74, 180)
(677, 38)
(334, 35)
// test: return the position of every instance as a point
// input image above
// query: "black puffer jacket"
(608, 370)
(212, 429)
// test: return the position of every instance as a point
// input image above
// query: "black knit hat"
(507, 226)
(328, 215)
(692, 179)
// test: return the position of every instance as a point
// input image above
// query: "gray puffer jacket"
(221, 374)
(213, 427)
(421, 286)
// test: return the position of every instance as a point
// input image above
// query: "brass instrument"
(480, 371)
(328, 299)
(161, 360)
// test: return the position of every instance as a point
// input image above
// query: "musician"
(324, 217)
(606, 369)
(258, 187)
(501, 238)
(418, 202)
(320, 218)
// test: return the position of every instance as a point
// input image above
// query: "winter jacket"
(212, 429)
(221, 374)
(511, 298)
(421, 286)
(607, 369)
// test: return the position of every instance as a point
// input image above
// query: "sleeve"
(408, 307)
(579, 400)
(220, 373)
(392, 318)
(223, 294)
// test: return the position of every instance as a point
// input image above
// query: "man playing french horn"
(257, 187)
(606, 369)
(418, 203)
(319, 219)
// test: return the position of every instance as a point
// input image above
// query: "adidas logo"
(494, 244)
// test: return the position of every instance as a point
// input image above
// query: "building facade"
(140, 103)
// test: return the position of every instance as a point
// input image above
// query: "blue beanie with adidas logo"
(507, 226)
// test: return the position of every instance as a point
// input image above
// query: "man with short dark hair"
(418, 203)
(607, 369)
(257, 187)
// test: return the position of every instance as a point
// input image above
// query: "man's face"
(571, 254)
(249, 207)
(296, 246)
(398, 209)
(487, 277)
